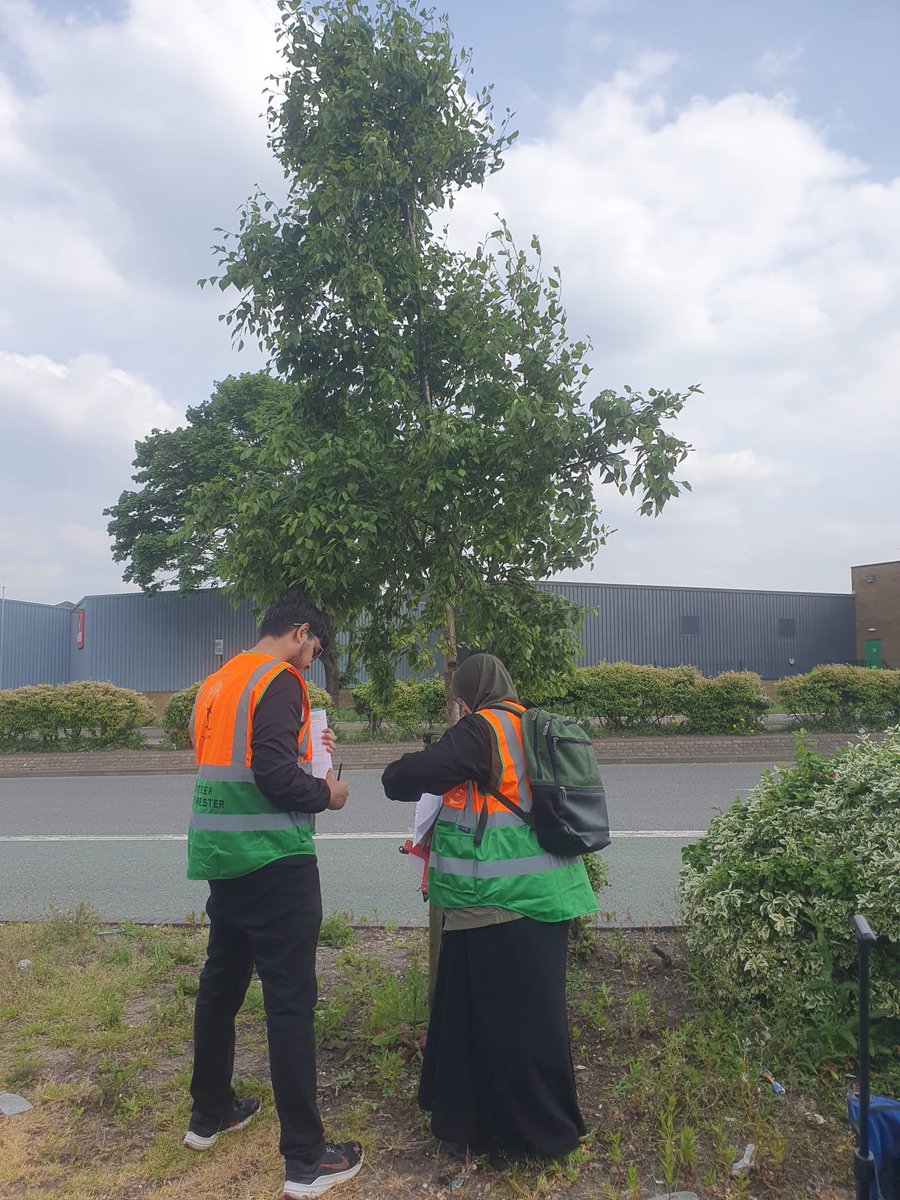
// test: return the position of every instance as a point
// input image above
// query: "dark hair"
(293, 610)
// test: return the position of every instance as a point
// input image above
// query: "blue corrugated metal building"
(713, 629)
(34, 643)
(164, 642)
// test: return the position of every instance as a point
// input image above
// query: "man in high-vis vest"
(251, 837)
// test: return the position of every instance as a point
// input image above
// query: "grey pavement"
(663, 796)
(140, 875)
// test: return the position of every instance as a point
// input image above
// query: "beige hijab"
(482, 680)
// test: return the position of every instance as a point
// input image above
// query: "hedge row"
(72, 716)
(176, 718)
(842, 698)
(624, 698)
(615, 697)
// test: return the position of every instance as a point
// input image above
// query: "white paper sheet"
(321, 759)
(426, 814)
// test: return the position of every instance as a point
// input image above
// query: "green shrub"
(409, 706)
(417, 704)
(733, 702)
(840, 697)
(767, 895)
(371, 705)
(176, 718)
(625, 697)
(319, 698)
(73, 716)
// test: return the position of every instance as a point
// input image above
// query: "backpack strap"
(526, 817)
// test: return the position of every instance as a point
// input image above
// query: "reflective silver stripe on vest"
(468, 818)
(503, 869)
(239, 745)
(232, 774)
(250, 822)
(517, 756)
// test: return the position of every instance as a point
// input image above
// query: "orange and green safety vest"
(505, 865)
(234, 829)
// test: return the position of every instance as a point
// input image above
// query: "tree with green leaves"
(441, 436)
(434, 447)
(161, 531)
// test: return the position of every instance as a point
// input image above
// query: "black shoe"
(340, 1161)
(202, 1131)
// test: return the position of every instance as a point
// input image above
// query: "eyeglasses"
(320, 649)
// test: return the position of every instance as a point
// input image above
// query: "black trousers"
(270, 919)
(497, 1075)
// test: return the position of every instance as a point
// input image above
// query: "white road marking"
(320, 837)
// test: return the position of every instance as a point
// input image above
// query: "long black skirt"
(497, 1075)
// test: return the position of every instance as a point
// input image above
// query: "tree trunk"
(450, 665)
(435, 914)
(332, 675)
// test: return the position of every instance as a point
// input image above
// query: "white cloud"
(727, 243)
(85, 398)
(721, 241)
(773, 64)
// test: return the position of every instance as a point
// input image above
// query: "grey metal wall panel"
(34, 644)
(739, 630)
(165, 642)
(158, 643)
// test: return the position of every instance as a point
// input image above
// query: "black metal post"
(863, 1159)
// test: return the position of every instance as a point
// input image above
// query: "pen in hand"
(340, 768)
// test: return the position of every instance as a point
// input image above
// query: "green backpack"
(569, 805)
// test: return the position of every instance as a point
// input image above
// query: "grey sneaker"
(340, 1161)
(202, 1131)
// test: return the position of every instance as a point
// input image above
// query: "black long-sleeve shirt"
(466, 751)
(274, 760)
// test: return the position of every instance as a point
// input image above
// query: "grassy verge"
(95, 1032)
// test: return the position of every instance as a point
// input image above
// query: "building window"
(787, 627)
(690, 625)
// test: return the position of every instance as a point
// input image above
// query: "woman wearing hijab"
(497, 1075)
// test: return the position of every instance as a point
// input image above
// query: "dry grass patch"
(96, 1033)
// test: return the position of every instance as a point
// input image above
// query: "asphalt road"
(118, 844)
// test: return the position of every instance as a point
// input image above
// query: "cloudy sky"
(720, 184)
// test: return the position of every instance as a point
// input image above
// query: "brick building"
(876, 591)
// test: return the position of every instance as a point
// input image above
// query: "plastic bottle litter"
(743, 1164)
(778, 1088)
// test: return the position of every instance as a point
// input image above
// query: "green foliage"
(767, 895)
(733, 702)
(397, 1014)
(176, 718)
(409, 707)
(623, 697)
(583, 930)
(438, 450)
(336, 930)
(319, 698)
(839, 697)
(149, 526)
(73, 716)
(432, 446)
